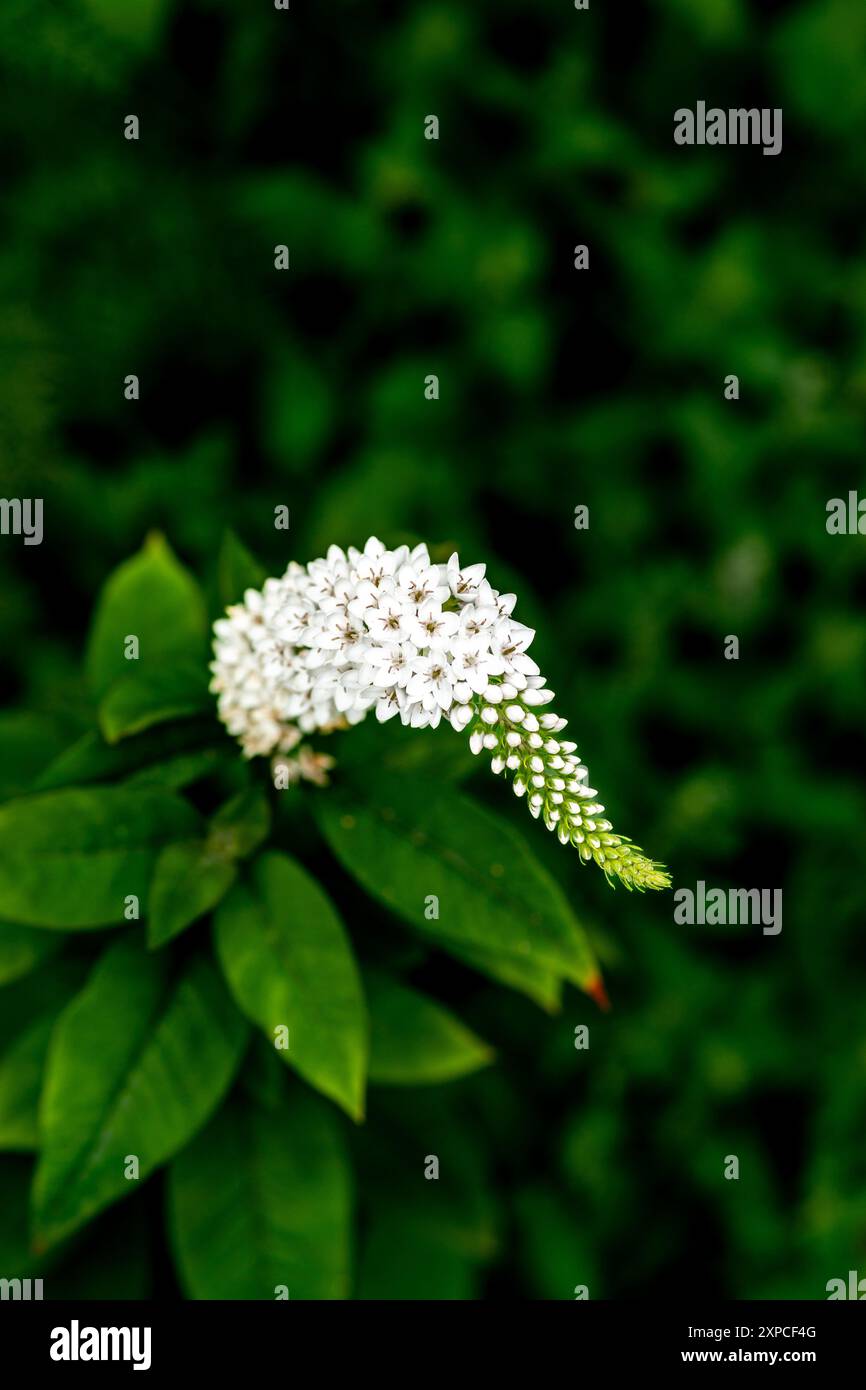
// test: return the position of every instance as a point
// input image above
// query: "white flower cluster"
(377, 629)
(393, 632)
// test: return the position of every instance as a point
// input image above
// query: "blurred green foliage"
(306, 388)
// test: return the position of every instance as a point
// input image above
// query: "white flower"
(388, 618)
(391, 666)
(391, 703)
(464, 583)
(340, 596)
(343, 633)
(474, 664)
(324, 575)
(431, 684)
(419, 582)
(376, 565)
(509, 640)
(291, 621)
(430, 627)
(477, 619)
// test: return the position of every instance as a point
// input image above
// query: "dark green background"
(558, 387)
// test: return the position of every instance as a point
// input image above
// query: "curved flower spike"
(392, 632)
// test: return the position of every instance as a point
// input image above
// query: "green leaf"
(289, 962)
(91, 759)
(237, 570)
(540, 985)
(70, 858)
(22, 949)
(28, 1011)
(261, 1201)
(414, 1041)
(137, 1064)
(137, 702)
(392, 748)
(240, 826)
(45, 991)
(408, 840)
(191, 878)
(179, 772)
(27, 743)
(188, 881)
(16, 1257)
(21, 1068)
(153, 598)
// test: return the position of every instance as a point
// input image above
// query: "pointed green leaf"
(414, 1041)
(176, 773)
(21, 1068)
(261, 1203)
(136, 702)
(289, 962)
(538, 984)
(91, 759)
(188, 881)
(16, 1256)
(153, 598)
(70, 858)
(191, 878)
(406, 841)
(28, 1011)
(137, 1064)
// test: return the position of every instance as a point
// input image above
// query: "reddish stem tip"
(596, 990)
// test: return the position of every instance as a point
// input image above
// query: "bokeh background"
(557, 388)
